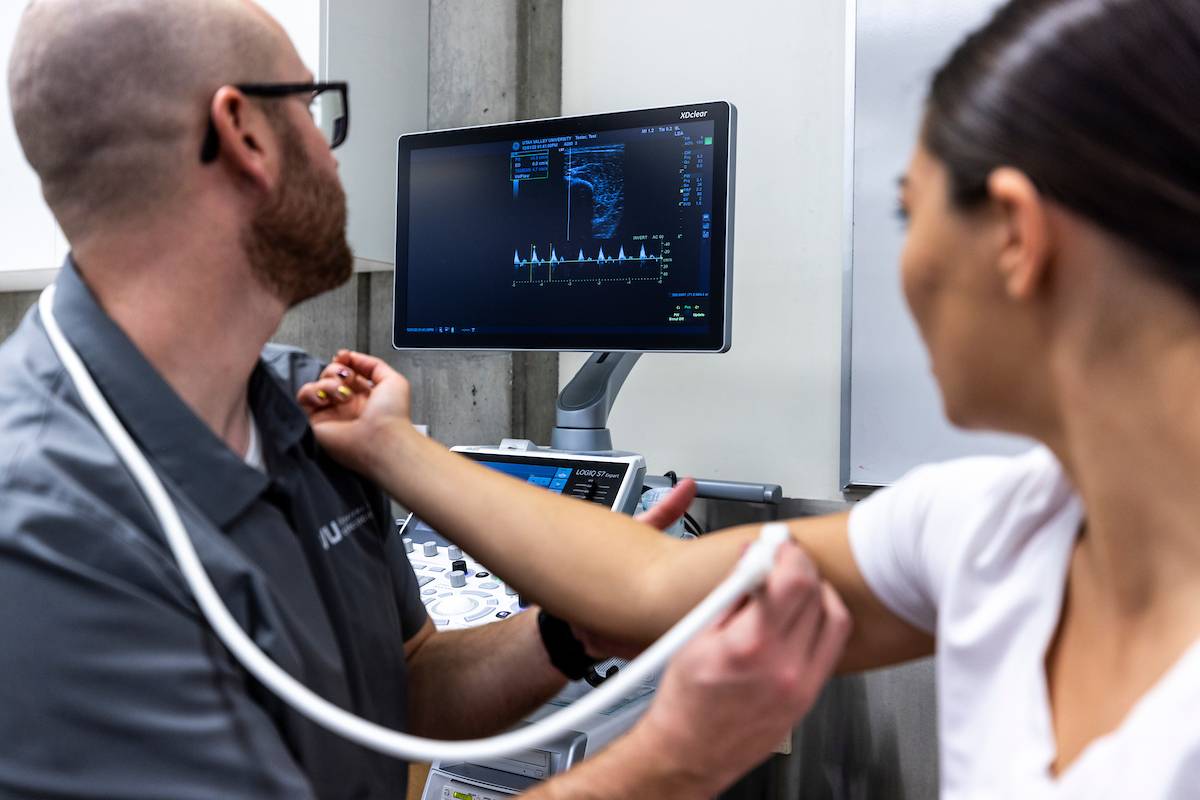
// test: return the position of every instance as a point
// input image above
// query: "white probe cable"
(749, 573)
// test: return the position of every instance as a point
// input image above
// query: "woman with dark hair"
(1053, 267)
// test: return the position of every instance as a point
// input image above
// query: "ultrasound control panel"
(613, 482)
(457, 590)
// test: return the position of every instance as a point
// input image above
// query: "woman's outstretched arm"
(606, 572)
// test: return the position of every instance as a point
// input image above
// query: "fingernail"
(345, 391)
(343, 373)
(322, 395)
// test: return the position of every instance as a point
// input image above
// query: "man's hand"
(737, 689)
(729, 696)
(356, 397)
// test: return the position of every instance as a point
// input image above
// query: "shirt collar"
(215, 478)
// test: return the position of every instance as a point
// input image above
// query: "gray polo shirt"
(111, 683)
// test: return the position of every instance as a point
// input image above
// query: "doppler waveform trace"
(600, 268)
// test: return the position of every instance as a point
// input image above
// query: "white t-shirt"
(976, 552)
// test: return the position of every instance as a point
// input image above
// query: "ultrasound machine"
(607, 233)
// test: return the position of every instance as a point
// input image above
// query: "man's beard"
(296, 243)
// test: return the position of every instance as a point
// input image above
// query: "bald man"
(201, 203)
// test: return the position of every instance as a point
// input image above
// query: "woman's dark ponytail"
(1098, 102)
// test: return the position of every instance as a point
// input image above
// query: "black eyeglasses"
(329, 105)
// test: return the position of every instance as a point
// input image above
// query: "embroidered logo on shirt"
(335, 531)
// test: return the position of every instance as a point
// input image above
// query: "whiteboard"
(891, 411)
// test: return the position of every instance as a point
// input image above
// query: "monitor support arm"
(581, 414)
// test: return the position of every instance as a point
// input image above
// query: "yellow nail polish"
(322, 394)
(345, 391)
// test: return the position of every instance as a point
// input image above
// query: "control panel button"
(489, 585)
(458, 579)
(408, 545)
(510, 591)
(424, 579)
(429, 549)
(480, 614)
(455, 552)
(455, 606)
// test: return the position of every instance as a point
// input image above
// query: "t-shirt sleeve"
(113, 685)
(902, 540)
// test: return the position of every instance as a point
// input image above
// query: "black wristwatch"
(566, 652)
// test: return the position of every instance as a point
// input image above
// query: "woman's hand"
(354, 401)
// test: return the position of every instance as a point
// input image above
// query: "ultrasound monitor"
(608, 232)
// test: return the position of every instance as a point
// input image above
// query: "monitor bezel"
(716, 340)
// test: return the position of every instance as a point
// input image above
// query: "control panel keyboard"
(458, 591)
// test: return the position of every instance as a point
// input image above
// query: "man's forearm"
(475, 682)
(632, 768)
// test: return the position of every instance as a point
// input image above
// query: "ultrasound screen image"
(597, 175)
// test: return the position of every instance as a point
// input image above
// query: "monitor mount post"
(581, 414)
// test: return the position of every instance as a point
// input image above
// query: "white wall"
(770, 409)
(302, 21)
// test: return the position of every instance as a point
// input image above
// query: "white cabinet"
(382, 48)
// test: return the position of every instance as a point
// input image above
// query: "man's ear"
(245, 138)
(1027, 245)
